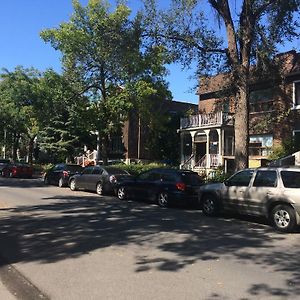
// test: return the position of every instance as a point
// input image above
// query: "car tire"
(121, 193)
(99, 188)
(163, 199)
(210, 205)
(73, 185)
(283, 218)
(60, 183)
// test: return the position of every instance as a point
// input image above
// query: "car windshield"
(191, 178)
(73, 168)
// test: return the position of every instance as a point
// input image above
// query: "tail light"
(180, 186)
(112, 179)
(65, 173)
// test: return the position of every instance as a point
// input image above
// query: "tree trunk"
(105, 144)
(30, 150)
(241, 127)
(15, 146)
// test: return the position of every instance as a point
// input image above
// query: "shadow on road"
(71, 226)
(34, 182)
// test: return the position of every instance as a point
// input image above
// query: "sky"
(21, 22)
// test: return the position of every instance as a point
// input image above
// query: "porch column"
(207, 132)
(193, 160)
(181, 148)
(220, 146)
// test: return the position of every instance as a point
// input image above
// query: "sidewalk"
(4, 293)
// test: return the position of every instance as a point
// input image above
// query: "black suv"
(163, 186)
(60, 174)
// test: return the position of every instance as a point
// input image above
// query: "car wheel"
(73, 185)
(210, 205)
(162, 199)
(121, 193)
(60, 182)
(99, 188)
(284, 218)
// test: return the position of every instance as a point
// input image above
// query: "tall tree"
(20, 107)
(102, 53)
(253, 31)
(63, 125)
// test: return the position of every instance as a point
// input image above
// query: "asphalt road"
(78, 245)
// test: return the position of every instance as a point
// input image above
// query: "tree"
(252, 37)
(63, 125)
(20, 107)
(102, 53)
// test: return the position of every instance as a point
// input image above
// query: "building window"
(296, 94)
(260, 145)
(262, 100)
(296, 135)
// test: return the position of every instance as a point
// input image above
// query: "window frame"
(295, 105)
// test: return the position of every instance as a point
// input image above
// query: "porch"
(207, 141)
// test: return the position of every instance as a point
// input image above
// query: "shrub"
(136, 169)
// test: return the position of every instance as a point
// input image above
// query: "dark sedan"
(163, 186)
(60, 174)
(101, 179)
(3, 163)
(17, 170)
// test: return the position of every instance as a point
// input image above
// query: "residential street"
(78, 245)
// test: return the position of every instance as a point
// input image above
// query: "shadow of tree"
(71, 226)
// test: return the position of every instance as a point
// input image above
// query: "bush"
(136, 169)
(218, 175)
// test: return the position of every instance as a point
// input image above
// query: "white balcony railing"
(205, 120)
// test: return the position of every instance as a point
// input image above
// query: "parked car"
(101, 179)
(270, 192)
(60, 174)
(163, 186)
(17, 170)
(3, 163)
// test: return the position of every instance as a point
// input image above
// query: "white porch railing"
(204, 120)
(188, 163)
(87, 158)
(209, 161)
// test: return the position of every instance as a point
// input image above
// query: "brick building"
(207, 138)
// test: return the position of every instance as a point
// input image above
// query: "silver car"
(270, 192)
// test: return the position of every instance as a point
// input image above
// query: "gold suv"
(270, 192)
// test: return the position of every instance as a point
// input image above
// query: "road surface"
(78, 245)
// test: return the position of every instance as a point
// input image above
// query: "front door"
(200, 151)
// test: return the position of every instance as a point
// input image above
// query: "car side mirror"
(226, 182)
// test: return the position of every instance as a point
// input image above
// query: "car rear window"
(4, 161)
(290, 179)
(115, 171)
(191, 178)
(74, 168)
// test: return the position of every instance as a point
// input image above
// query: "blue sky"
(21, 21)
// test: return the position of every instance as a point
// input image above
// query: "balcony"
(206, 120)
